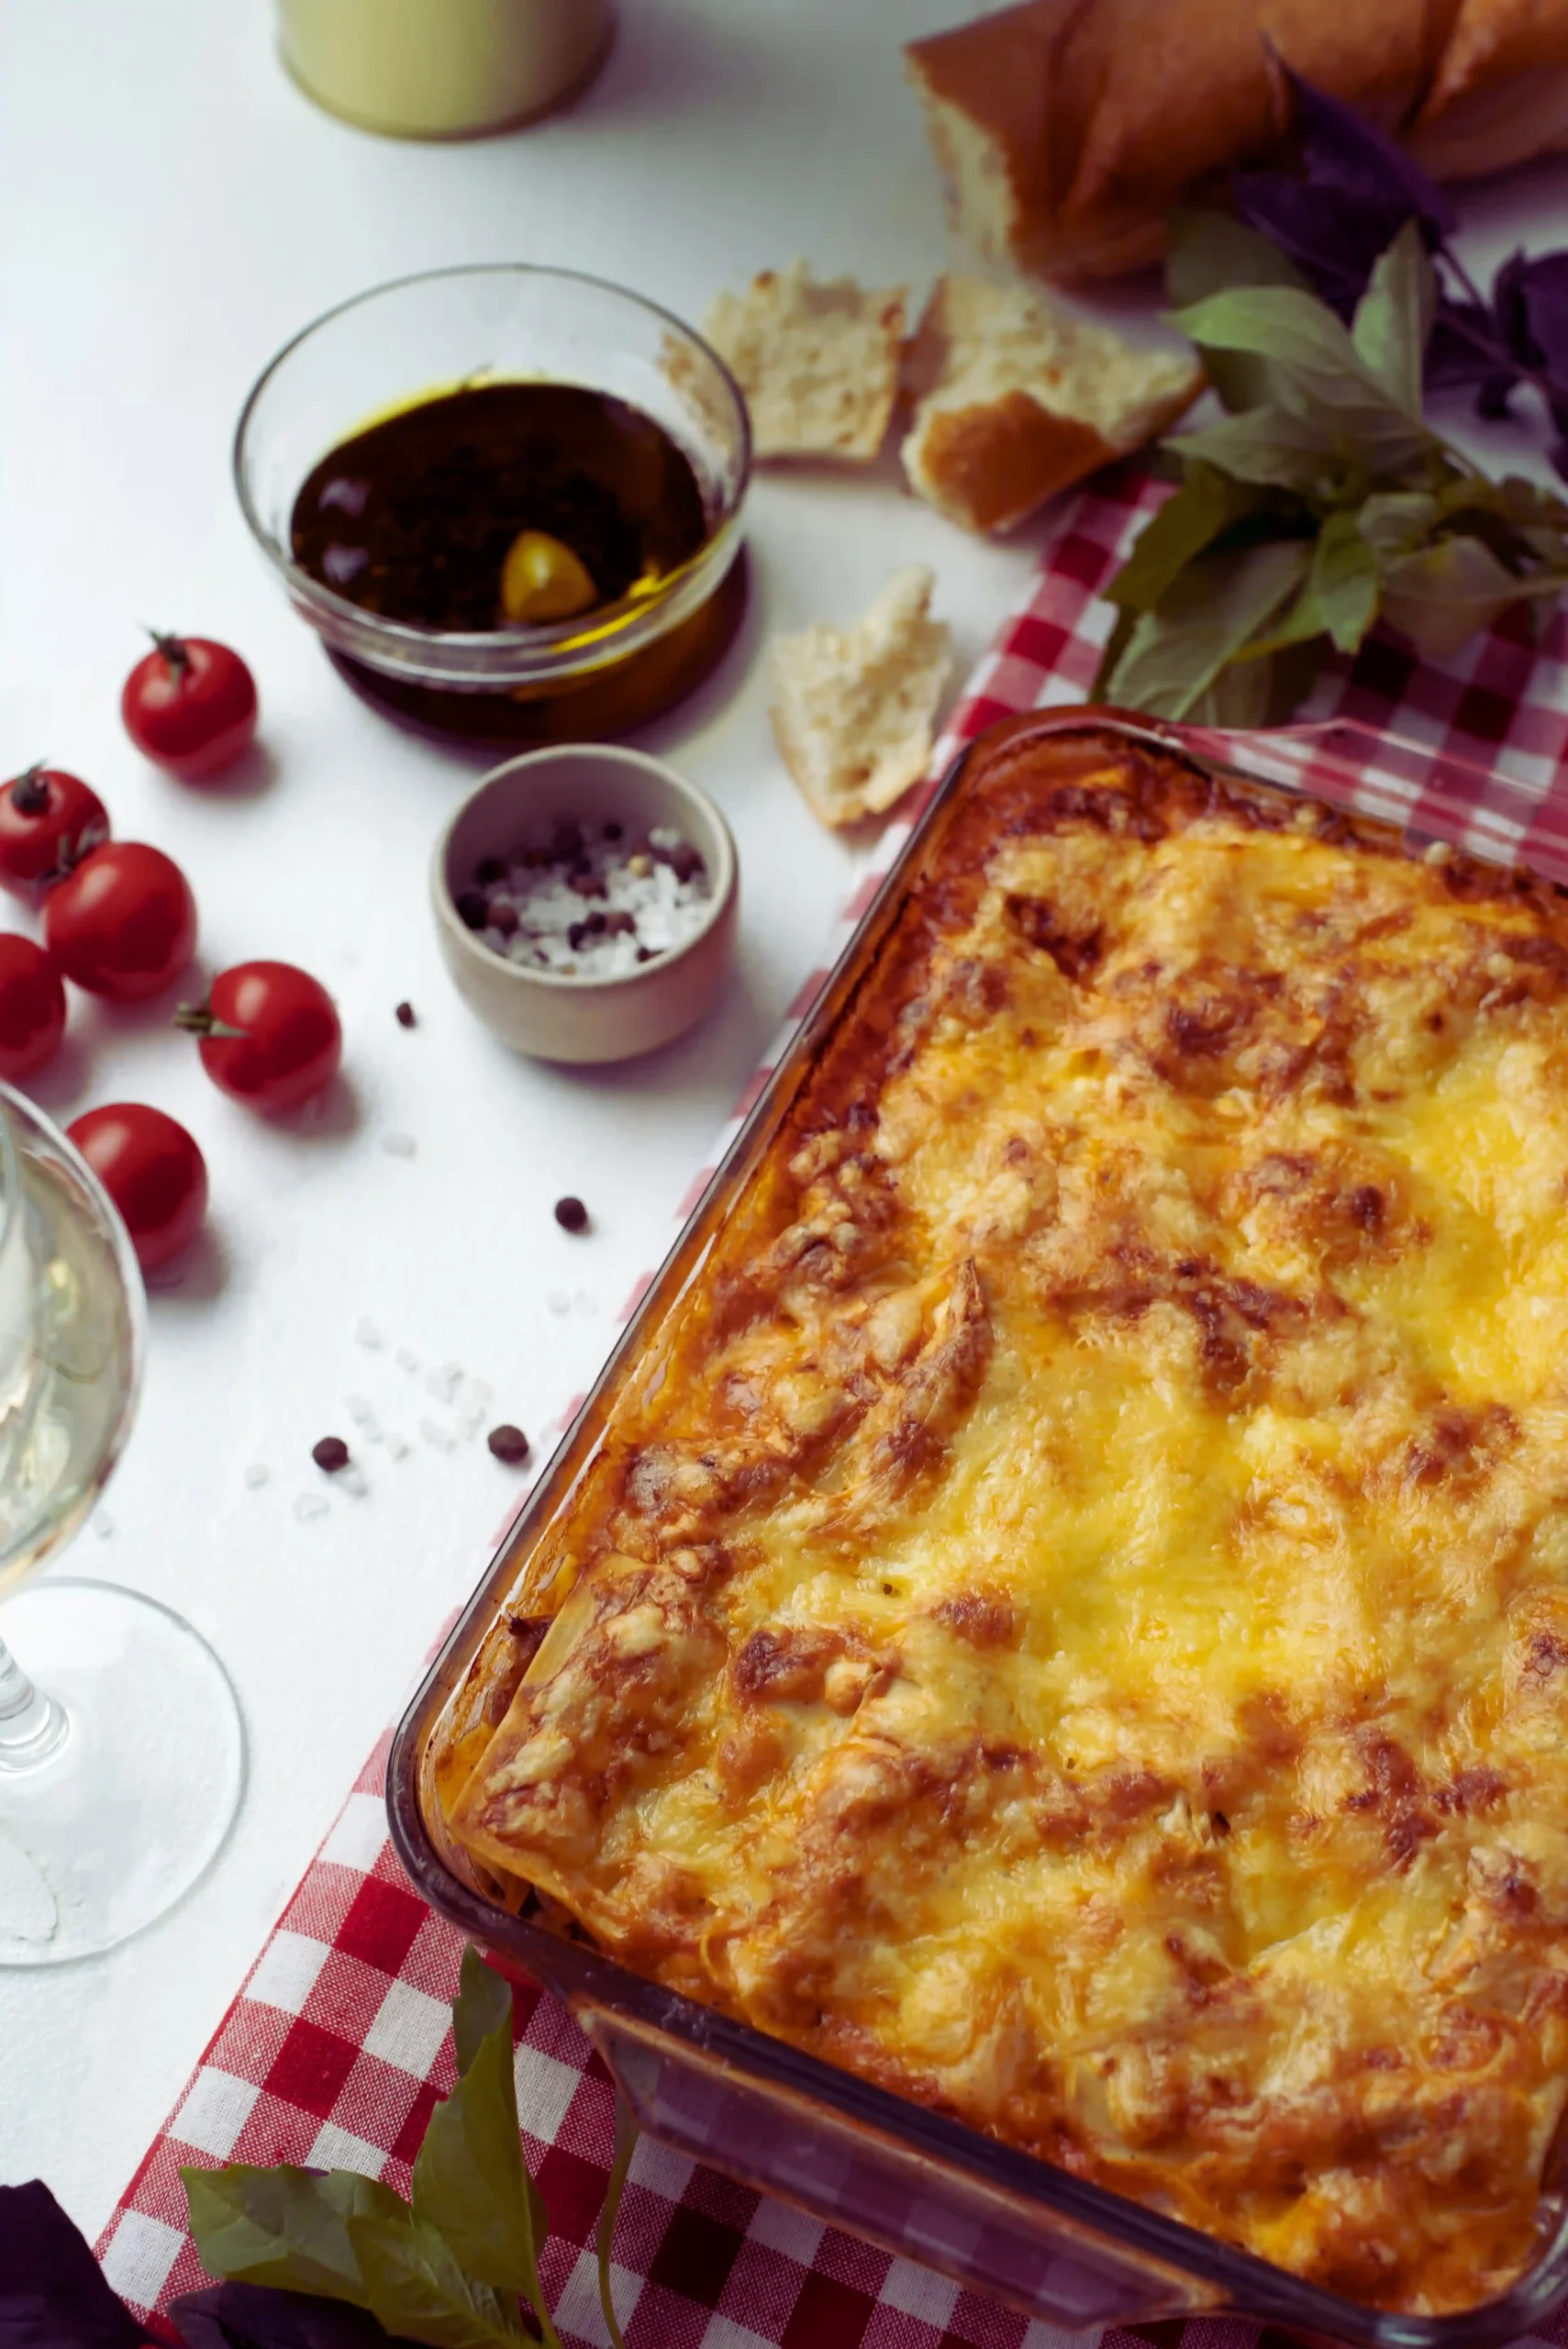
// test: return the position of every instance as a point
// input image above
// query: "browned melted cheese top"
(1071, 1620)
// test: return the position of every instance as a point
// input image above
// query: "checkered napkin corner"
(338, 2043)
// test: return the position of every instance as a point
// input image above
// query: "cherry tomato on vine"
(271, 1035)
(32, 1007)
(48, 820)
(190, 706)
(153, 1172)
(123, 923)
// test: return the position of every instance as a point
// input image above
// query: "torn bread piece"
(1014, 398)
(817, 361)
(855, 707)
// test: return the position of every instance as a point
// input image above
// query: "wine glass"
(121, 1751)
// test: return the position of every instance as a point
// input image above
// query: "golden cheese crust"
(1071, 1620)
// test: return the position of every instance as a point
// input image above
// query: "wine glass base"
(132, 1805)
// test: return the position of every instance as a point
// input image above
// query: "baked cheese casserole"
(1070, 1619)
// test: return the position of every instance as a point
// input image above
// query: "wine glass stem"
(32, 1726)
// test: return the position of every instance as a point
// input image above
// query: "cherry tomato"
(153, 1171)
(190, 706)
(48, 820)
(123, 923)
(270, 1034)
(32, 1007)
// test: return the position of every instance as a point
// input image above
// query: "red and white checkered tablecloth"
(338, 2044)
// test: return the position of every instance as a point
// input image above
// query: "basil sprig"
(1322, 503)
(457, 2265)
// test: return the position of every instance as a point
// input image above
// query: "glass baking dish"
(1068, 2253)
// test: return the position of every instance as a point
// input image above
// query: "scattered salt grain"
(399, 1145)
(358, 1409)
(351, 1480)
(256, 1475)
(366, 1334)
(309, 1504)
(397, 1446)
(442, 1385)
(406, 1361)
(584, 1303)
(558, 1300)
(433, 1431)
(590, 903)
(103, 1526)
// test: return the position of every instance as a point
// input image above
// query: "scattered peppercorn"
(572, 1215)
(507, 1442)
(330, 1454)
(567, 843)
(503, 916)
(405, 1016)
(614, 831)
(491, 869)
(474, 908)
(682, 860)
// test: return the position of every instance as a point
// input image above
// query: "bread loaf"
(1066, 129)
(1014, 398)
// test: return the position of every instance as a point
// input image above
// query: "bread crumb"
(1015, 398)
(817, 360)
(854, 709)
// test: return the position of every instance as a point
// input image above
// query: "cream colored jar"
(441, 69)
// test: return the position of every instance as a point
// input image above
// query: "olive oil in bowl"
(500, 506)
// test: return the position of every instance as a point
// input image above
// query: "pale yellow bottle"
(441, 69)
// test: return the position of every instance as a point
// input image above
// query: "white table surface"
(174, 210)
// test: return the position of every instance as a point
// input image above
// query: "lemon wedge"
(541, 579)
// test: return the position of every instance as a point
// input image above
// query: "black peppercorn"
(509, 1443)
(405, 1015)
(572, 1215)
(330, 1454)
(474, 908)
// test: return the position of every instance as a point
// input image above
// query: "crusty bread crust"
(1015, 399)
(1066, 129)
(987, 467)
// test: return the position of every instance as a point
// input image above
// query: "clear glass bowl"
(424, 335)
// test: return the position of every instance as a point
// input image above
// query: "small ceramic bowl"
(559, 1015)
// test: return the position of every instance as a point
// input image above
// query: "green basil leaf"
(626, 2145)
(1116, 645)
(1340, 597)
(1207, 503)
(470, 2180)
(1209, 252)
(1441, 595)
(1315, 372)
(1266, 446)
(483, 2005)
(1394, 319)
(1392, 522)
(1222, 599)
(284, 2226)
(415, 2287)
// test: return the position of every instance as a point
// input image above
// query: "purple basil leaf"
(1464, 352)
(1543, 286)
(1511, 312)
(1343, 150)
(255, 2316)
(53, 2294)
(1334, 238)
